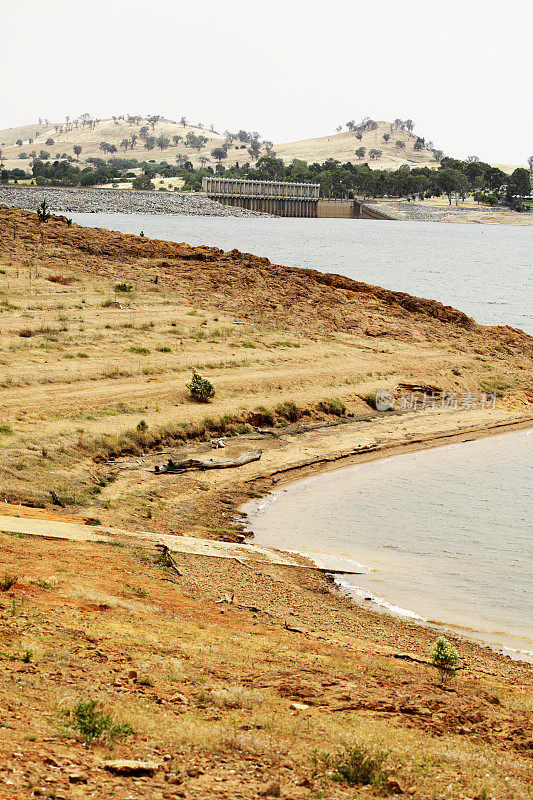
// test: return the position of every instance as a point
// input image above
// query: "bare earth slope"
(230, 675)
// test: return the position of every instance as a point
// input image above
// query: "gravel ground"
(401, 209)
(112, 201)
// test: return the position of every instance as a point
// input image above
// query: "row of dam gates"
(283, 199)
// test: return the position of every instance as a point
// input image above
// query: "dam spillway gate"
(284, 199)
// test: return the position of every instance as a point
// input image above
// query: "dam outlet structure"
(285, 199)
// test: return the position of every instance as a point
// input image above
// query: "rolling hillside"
(341, 146)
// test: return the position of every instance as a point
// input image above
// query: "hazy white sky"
(461, 69)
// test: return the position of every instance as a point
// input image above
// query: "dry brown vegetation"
(225, 700)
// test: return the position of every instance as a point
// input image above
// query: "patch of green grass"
(141, 351)
(7, 582)
(164, 349)
(138, 591)
(123, 287)
(42, 584)
(356, 765)
(95, 726)
(284, 344)
(333, 406)
(8, 305)
(6, 429)
(497, 386)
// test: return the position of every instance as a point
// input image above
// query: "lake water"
(483, 270)
(442, 535)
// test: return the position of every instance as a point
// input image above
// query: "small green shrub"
(261, 416)
(333, 406)
(123, 287)
(43, 214)
(27, 656)
(200, 388)
(94, 725)
(456, 371)
(145, 682)
(289, 411)
(164, 349)
(142, 351)
(6, 429)
(444, 658)
(356, 765)
(7, 582)
(142, 425)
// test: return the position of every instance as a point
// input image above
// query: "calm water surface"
(442, 535)
(484, 270)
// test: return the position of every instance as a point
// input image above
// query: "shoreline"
(383, 605)
(234, 666)
(84, 200)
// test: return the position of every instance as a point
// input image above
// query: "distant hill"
(58, 140)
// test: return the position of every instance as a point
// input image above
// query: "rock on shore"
(112, 201)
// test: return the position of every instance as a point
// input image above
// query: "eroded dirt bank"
(231, 677)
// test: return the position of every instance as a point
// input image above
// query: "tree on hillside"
(243, 136)
(19, 142)
(177, 139)
(162, 142)
(338, 129)
(203, 159)
(386, 137)
(438, 155)
(201, 141)
(398, 123)
(530, 162)
(351, 125)
(254, 149)
(133, 139)
(219, 153)
(360, 152)
(143, 132)
(125, 143)
(149, 143)
(375, 153)
(183, 121)
(153, 120)
(181, 159)
(472, 159)
(359, 136)
(400, 143)
(420, 143)
(409, 124)
(77, 150)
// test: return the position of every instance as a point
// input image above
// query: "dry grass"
(209, 689)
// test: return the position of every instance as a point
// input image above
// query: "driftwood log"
(195, 463)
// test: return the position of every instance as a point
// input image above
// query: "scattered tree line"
(487, 183)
